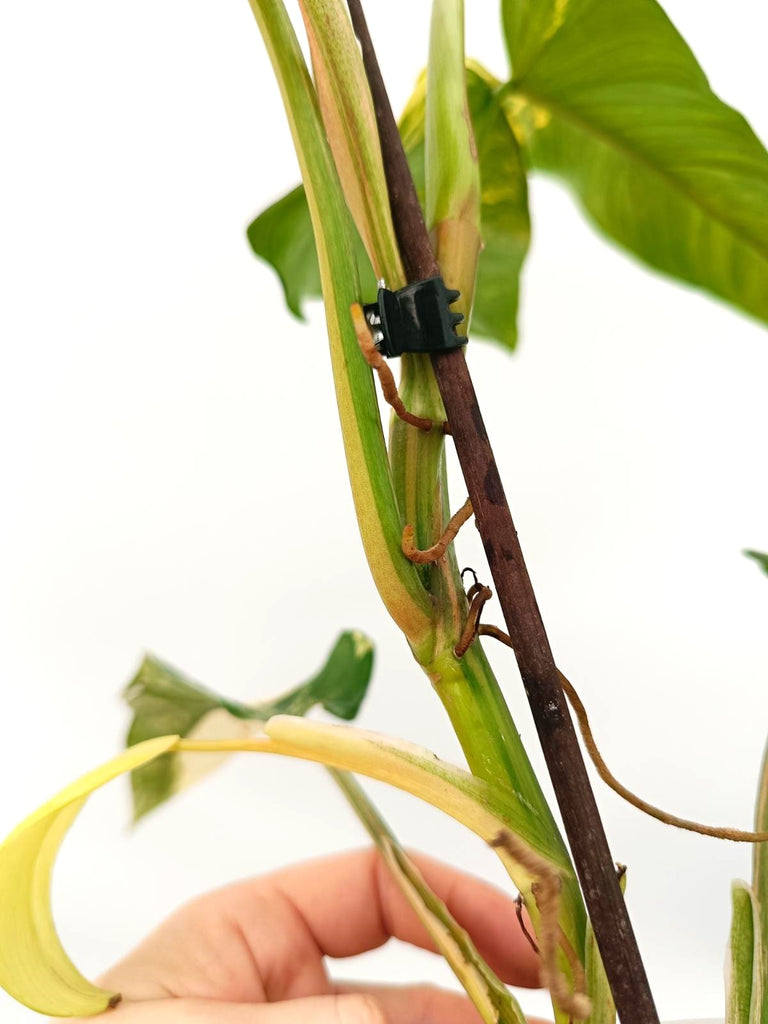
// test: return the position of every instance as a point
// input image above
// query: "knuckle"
(359, 1009)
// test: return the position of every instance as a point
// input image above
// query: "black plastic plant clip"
(415, 319)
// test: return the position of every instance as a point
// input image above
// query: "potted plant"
(668, 171)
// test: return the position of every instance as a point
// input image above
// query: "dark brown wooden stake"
(589, 846)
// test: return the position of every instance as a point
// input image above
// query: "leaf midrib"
(637, 157)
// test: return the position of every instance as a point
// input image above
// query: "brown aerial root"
(735, 835)
(377, 362)
(429, 555)
(546, 892)
(477, 595)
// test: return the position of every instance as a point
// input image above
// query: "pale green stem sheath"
(350, 124)
(378, 515)
(760, 881)
(744, 966)
(452, 169)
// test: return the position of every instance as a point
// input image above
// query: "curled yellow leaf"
(34, 967)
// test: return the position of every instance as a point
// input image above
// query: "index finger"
(350, 903)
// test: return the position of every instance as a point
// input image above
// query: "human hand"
(254, 953)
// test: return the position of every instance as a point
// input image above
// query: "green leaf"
(490, 996)
(743, 1000)
(607, 96)
(504, 220)
(761, 559)
(282, 237)
(165, 701)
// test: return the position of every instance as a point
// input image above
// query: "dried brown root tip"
(436, 552)
(115, 1001)
(478, 595)
(519, 904)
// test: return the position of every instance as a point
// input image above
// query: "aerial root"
(546, 892)
(735, 835)
(430, 555)
(377, 362)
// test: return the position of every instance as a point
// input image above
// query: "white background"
(173, 480)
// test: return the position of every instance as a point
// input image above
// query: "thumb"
(335, 1009)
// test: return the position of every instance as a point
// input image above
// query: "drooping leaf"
(34, 967)
(743, 968)
(760, 558)
(493, 1001)
(165, 701)
(607, 96)
(504, 220)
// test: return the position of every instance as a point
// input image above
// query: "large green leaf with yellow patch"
(607, 96)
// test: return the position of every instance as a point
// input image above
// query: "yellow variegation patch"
(33, 965)
(35, 969)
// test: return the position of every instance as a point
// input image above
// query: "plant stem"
(592, 857)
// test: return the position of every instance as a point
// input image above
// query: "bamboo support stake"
(592, 858)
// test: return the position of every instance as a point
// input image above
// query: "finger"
(351, 903)
(421, 1002)
(264, 940)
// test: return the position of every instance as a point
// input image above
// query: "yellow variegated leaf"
(486, 809)
(33, 965)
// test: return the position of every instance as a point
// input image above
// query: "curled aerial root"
(377, 362)
(478, 596)
(735, 835)
(429, 555)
